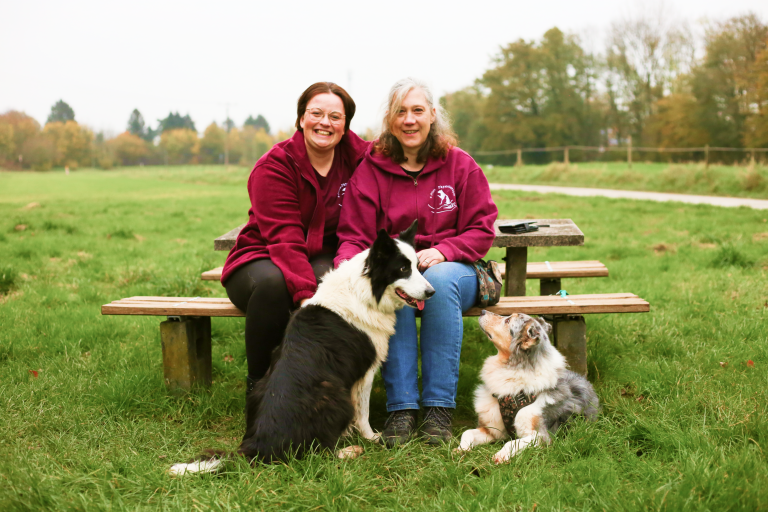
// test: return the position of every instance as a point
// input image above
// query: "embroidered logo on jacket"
(340, 193)
(443, 199)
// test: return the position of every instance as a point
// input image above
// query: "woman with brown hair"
(415, 171)
(290, 239)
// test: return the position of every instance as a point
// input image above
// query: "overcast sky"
(107, 58)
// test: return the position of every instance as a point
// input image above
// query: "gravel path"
(729, 202)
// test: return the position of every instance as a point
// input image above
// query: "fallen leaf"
(31, 205)
(139, 238)
(179, 240)
(34, 373)
(724, 364)
(162, 456)
(228, 358)
(757, 237)
(640, 398)
(750, 364)
(84, 255)
(20, 227)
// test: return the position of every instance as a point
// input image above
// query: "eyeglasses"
(333, 117)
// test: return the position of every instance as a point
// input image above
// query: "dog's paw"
(375, 437)
(503, 455)
(202, 466)
(350, 452)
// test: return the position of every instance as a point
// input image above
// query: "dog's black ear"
(382, 252)
(409, 235)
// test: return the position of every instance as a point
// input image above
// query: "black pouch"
(488, 283)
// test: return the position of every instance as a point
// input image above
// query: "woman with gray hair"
(415, 171)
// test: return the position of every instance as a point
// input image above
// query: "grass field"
(87, 423)
(718, 180)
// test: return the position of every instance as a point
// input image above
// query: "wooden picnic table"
(561, 232)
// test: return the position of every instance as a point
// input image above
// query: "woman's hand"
(429, 257)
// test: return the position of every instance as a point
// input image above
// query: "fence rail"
(629, 149)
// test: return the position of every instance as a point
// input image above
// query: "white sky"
(107, 58)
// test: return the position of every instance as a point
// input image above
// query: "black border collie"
(319, 384)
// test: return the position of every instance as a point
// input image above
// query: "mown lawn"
(718, 180)
(87, 423)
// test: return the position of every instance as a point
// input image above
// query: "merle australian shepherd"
(318, 386)
(527, 392)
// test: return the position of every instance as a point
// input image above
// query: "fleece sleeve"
(477, 213)
(275, 206)
(357, 223)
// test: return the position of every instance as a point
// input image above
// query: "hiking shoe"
(399, 427)
(437, 425)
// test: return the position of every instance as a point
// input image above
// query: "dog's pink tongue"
(420, 304)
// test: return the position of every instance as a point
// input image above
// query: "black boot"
(399, 427)
(437, 425)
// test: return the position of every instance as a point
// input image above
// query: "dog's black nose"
(430, 292)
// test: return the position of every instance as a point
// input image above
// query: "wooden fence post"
(706, 156)
(752, 161)
(629, 152)
(519, 162)
(567, 161)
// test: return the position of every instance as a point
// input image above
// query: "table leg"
(517, 269)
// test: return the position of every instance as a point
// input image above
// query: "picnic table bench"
(186, 334)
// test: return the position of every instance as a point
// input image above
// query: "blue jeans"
(442, 330)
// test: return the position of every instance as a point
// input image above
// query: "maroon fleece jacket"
(450, 197)
(286, 220)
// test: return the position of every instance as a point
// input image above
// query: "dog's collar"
(510, 405)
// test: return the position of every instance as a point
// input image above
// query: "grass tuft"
(8, 277)
(728, 255)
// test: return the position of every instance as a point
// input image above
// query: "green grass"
(95, 428)
(718, 180)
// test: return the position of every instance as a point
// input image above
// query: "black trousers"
(259, 289)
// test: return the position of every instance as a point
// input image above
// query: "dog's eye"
(403, 269)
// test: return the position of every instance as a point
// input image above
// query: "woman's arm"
(477, 213)
(357, 223)
(275, 205)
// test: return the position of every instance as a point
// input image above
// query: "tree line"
(647, 85)
(63, 142)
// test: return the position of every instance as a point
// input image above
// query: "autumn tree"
(15, 129)
(128, 148)
(725, 83)
(61, 112)
(212, 144)
(72, 143)
(254, 143)
(537, 94)
(181, 145)
(259, 122)
(466, 108)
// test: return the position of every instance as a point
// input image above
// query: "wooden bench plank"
(548, 305)
(535, 270)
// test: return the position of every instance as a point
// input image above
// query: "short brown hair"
(323, 88)
(440, 139)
